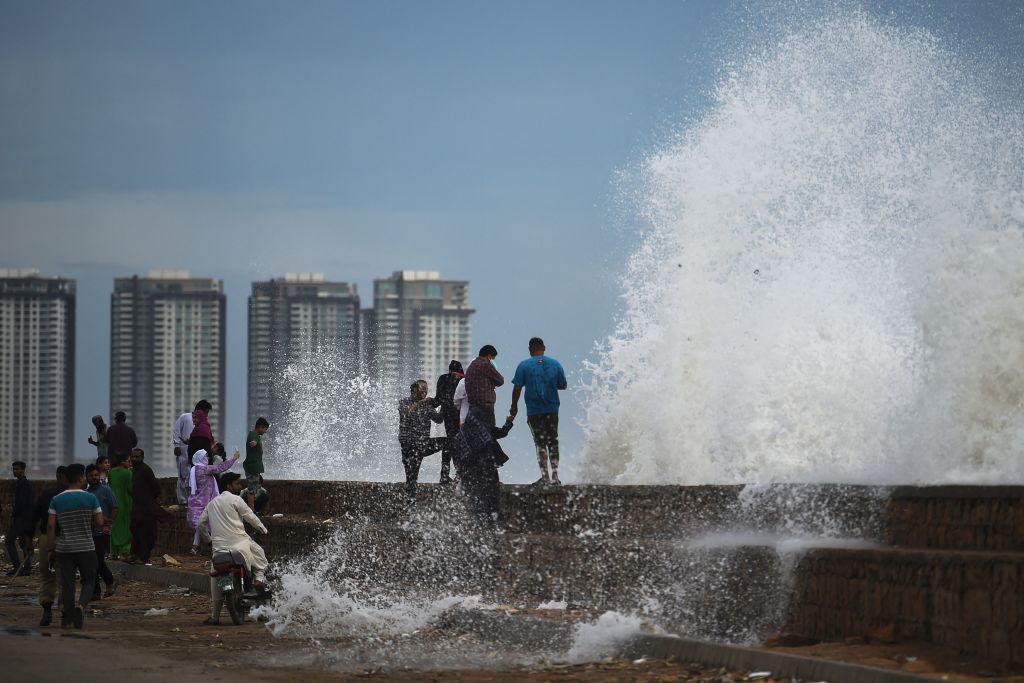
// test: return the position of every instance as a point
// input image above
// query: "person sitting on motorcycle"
(226, 516)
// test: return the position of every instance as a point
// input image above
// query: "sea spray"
(338, 422)
(831, 287)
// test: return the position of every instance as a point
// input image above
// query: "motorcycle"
(235, 583)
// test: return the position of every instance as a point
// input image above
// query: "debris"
(276, 516)
(154, 612)
(758, 675)
(176, 629)
(171, 562)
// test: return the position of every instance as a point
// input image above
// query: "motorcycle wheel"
(234, 601)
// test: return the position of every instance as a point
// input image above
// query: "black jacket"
(444, 393)
(476, 445)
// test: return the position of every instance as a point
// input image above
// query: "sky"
(485, 140)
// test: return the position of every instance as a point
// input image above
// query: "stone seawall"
(971, 601)
(957, 518)
(947, 566)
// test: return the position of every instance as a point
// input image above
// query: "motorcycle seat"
(229, 557)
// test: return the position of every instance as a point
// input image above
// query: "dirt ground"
(175, 646)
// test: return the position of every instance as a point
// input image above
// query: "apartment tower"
(37, 369)
(421, 323)
(167, 341)
(291, 319)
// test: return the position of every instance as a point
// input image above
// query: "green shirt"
(253, 454)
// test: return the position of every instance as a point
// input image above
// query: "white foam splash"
(339, 423)
(604, 637)
(832, 285)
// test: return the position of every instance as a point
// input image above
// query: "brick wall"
(957, 518)
(973, 602)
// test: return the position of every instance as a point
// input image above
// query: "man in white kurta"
(226, 514)
(180, 433)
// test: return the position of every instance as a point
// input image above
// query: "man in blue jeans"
(542, 377)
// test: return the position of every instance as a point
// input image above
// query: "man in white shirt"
(226, 516)
(180, 433)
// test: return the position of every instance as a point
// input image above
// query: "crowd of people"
(464, 401)
(111, 509)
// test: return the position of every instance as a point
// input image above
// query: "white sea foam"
(832, 284)
(605, 636)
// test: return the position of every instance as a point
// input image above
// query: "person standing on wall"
(180, 434)
(444, 396)
(482, 378)
(543, 377)
(201, 438)
(100, 442)
(253, 465)
(121, 439)
(20, 531)
(415, 414)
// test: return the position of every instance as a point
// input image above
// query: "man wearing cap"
(444, 396)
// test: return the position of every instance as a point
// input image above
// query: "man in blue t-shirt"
(543, 377)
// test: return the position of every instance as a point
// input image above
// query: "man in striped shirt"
(77, 512)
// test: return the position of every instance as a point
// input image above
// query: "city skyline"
(168, 338)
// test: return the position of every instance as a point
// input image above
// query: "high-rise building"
(37, 368)
(290, 318)
(167, 340)
(421, 323)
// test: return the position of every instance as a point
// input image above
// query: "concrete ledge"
(752, 659)
(194, 581)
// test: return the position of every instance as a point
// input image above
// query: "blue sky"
(243, 140)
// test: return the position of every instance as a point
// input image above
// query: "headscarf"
(202, 425)
(198, 459)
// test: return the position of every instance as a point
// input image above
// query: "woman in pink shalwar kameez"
(202, 483)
